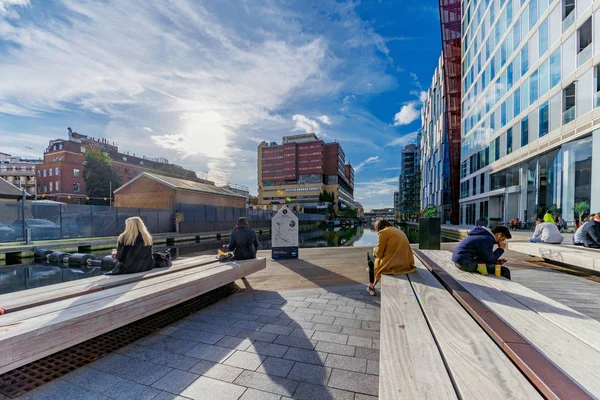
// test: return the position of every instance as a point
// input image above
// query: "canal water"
(27, 276)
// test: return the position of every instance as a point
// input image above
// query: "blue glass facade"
(530, 88)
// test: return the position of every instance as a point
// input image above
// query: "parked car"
(7, 234)
(40, 228)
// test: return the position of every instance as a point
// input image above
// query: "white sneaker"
(371, 291)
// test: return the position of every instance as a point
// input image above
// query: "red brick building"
(60, 176)
(156, 191)
(297, 170)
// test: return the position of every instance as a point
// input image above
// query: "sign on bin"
(284, 234)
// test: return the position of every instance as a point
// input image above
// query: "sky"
(202, 83)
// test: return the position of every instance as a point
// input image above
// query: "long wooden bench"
(432, 349)
(31, 333)
(576, 256)
(556, 347)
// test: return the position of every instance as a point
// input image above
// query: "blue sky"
(203, 82)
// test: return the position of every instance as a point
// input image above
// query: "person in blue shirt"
(476, 252)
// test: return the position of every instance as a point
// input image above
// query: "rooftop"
(10, 191)
(182, 184)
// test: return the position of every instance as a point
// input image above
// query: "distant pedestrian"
(578, 236)
(134, 248)
(392, 255)
(591, 232)
(476, 252)
(548, 217)
(560, 224)
(545, 232)
(243, 241)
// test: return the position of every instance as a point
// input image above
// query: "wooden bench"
(432, 349)
(556, 347)
(576, 256)
(76, 311)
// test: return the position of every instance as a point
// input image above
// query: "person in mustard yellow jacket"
(392, 255)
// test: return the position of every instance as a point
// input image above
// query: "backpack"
(162, 259)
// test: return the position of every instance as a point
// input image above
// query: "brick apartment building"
(297, 170)
(60, 175)
(19, 171)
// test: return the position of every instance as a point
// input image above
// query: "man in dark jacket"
(478, 249)
(591, 232)
(243, 241)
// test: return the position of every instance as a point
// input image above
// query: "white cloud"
(403, 140)
(407, 114)
(306, 124)
(370, 160)
(5, 4)
(324, 119)
(422, 96)
(148, 129)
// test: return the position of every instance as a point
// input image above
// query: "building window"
(76, 173)
(525, 59)
(56, 171)
(569, 103)
(124, 158)
(82, 149)
(597, 86)
(50, 186)
(555, 68)
(584, 35)
(497, 149)
(543, 37)
(474, 182)
(517, 104)
(524, 131)
(39, 173)
(509, 133)
(544, 118)
(56, 185)
(533, 87)
(45, 188)
(49, 171)
(481, 183)
(44, 172)
(568, 8)
(76, 187)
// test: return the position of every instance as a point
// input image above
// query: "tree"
(326, 196)
(581, 208)
(98, 175)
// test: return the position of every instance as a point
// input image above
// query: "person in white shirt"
(578, 236)
(546, 232)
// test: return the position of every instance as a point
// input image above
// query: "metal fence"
(65, 221)
(204, 218)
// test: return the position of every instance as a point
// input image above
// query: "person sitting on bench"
(578, 235)
(546, 232)
(243, 241)
(392, 255)
(591, 232)
(134, 248)
(476, 252)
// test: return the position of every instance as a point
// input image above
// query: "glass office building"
(435, 157)
(530, 108)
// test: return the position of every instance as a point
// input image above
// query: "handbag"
(162, 259)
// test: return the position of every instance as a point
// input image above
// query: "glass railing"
(569, 115)
(584, 55)
(567, 22)
(597, 100)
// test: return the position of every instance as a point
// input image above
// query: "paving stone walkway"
(320, 344)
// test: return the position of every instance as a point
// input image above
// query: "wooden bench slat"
(24, 298)
(411, 366)
(35, 338)
(575, 358)
(478, 367)
(37, 312)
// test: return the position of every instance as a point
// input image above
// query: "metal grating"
(33, 375)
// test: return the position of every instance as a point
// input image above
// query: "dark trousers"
(472, 267)
(371, 264)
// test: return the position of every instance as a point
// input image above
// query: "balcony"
(569, 115)
(567, 22)
(584, 55)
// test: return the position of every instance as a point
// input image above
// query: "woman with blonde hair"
(134, 248)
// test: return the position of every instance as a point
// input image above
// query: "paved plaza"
(303, 344)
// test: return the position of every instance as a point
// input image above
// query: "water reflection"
(21, 277)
